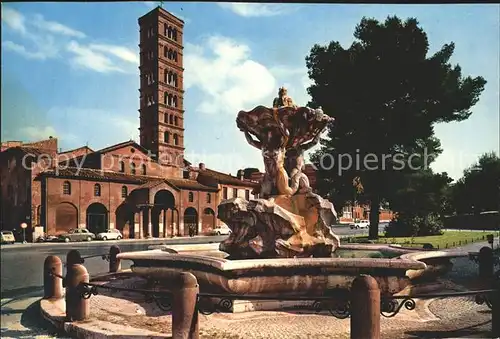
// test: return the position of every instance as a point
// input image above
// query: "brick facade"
(159, 202)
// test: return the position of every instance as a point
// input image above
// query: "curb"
(52, 310)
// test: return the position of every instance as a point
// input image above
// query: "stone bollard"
(365, 308)
(495, 310)
(77, 308)
(114, 262)
(486, 265)
(184, 307)
(52, 285)
(73, 257)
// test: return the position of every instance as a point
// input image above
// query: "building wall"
(128, 154)
(15, 192)
(206, 222)
(80, 198)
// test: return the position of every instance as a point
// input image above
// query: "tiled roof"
(145, 181)
(227, 179)
(151, 184)
(190, 184)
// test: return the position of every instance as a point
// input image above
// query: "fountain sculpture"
(282, 243)
(289, 220)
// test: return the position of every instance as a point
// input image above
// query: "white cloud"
(13, 19)
(120, 52)
(55, 27)
(87, 58)
(41, 43)
(12, 46)
(37, 133)
(230, 80)
(33, 133)
(248, 10)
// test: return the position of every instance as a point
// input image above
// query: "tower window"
(66, 188)
(166, 137)
(165, 51)
(176, 121)
(174, 101)
(165, 98)
(165, 118)
(165, 29)
(97, 190)
(132, 168)
(176, 139)
(209, 198)
(191, 197)
(124, 192)
(171, 119)
(122, 166)
(175, 80)
(174, 34)
(175, 56)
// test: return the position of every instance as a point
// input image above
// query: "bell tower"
(161, 111)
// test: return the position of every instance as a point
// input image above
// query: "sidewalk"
(21, 318)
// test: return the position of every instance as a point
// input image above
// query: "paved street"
(22, 265)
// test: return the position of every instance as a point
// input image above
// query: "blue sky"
(70, 70)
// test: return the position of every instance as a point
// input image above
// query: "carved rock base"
(282, 226)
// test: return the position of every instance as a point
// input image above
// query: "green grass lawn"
(448, 239)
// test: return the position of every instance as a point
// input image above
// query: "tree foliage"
(386, 94)
(419, 204)
(479, 188)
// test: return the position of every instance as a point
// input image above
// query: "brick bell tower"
(161, 110)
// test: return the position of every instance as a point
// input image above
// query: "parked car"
(7, 237)
(77, 234)
(47, 238)
(112, 234)
(361, 224)
(221, 231)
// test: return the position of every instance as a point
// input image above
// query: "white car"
(112, 234)
(361, 224)
(221, 231)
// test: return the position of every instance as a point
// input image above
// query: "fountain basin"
(280, 277)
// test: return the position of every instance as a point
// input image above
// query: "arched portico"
(163, 221)
(125, 220)
(66, 217)
(190, 221)
(97, 218)
(208, 220)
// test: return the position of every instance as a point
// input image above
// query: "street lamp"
(23, 226)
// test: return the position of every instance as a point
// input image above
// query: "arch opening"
(97, 218)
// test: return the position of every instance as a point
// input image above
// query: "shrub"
(411, 225)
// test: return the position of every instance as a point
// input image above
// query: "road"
(22, 264)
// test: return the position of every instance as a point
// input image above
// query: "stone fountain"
(282, 243)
